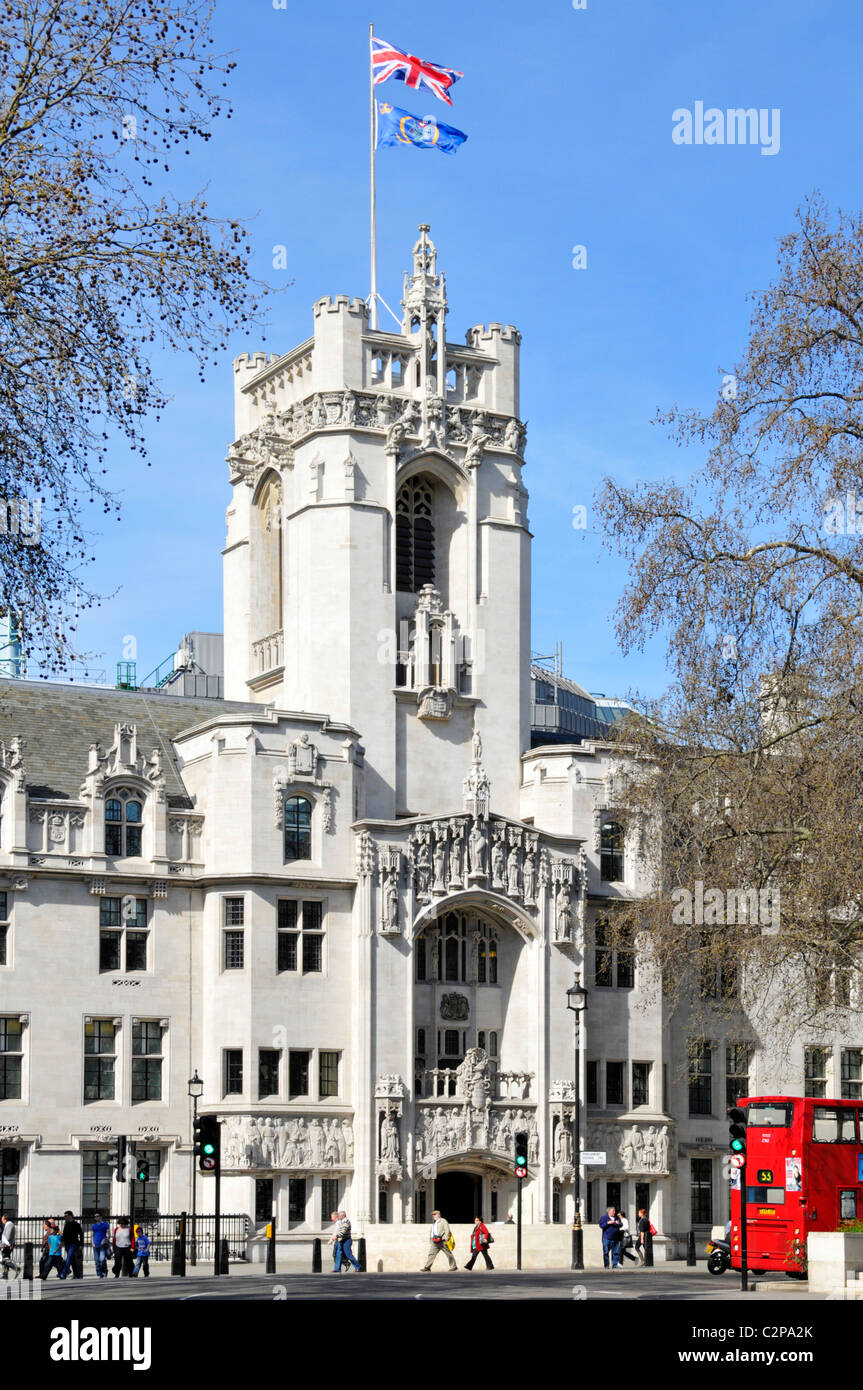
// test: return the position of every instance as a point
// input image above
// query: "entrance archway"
(458, 1197)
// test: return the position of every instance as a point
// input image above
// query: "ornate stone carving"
(434, 702)
(302, 757)
(462, 1128)
(160, 888)
(455, 1007)
(366, 854)
(389, 861)
(633, 1148)
(308, 1143)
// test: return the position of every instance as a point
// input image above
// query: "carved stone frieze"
(299, 1142)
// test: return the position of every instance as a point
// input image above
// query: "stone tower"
(377, 565)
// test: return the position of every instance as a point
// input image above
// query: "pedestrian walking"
(7, 1246)
(440, 1239)
(101, 1245)
(344, 1238)
(122, 1243)
(626, 1242)
(51, 1259)
(480, 1239)
(610, 1225)
(643, 1228)
(143, 1245)
(336, 1243)
(73, 1244)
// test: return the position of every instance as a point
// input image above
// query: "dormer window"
(123, 816)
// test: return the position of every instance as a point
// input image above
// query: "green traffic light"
(737, 1146)
(209, 1148)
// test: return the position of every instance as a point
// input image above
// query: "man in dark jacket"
(73, 1241)
(610, 1227)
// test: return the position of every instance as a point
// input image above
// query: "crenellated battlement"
(480, 333)
(253, 362)
(340, 303)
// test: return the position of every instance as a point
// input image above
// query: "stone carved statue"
(529, 876)
(563, 1143)
(389, 1138)
(440, 864)
(390, 906)
(477, 746)
(514, 872)
(498, 863)
(472, 1077)
(563, 919)
(477, 849)
(422, 862)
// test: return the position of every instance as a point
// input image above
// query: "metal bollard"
(690, 1249)
(361, 1254)
(271, 1248)
(648, 1250)
(223, 1263)
(577, 1248)
(27, 1271)
(316, 1256)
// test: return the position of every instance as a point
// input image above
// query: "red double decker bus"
(804, 1172)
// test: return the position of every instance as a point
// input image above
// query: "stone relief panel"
(296, 1141)
(632, 1148)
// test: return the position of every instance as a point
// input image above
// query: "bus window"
(774, 1195)
(832, 1126)
(770, 1114)
(848, 1204)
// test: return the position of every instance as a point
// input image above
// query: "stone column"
(364, 1184)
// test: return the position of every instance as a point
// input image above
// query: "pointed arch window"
(414, 535)
(298, 828)
(124, 813)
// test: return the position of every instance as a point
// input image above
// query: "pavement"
(248, 1283)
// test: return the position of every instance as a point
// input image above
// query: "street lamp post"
(196, 1090)
(576, 1002)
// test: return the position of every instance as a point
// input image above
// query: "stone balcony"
(268, 653)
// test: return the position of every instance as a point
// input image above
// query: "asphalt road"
(642, 1285)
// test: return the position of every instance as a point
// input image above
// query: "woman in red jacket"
(480, 1240)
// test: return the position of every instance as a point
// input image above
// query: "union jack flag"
(415, 72)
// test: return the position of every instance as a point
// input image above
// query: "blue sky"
(569, 118)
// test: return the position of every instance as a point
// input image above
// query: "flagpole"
(373, 297)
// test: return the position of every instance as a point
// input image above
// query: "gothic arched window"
(414, 535)
(298, 828)
(123, 828)
(611, 852)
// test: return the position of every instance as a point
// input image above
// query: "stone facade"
(347, 895)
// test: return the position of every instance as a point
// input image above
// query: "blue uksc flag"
(398, 127)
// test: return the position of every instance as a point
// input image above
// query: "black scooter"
(718, 1256)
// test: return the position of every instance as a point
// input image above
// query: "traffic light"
(521, 1154)
(117, 1156)
(737, 1131)
(207, 1137)
(142, 1169)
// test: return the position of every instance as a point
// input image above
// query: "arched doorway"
(458, 1197)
